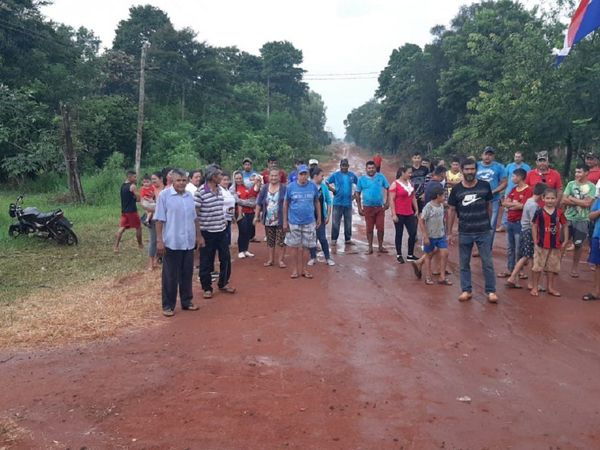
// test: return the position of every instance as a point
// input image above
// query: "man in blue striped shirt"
(175, 241)
(213, 234)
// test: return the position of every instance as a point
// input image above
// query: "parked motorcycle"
(52, 225)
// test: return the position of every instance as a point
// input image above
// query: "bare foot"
(534, 293)
(383, 250)
(282, 265)
(268, 263)
(553, 292)
(369, 251)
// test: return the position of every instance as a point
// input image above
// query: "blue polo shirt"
(371, 189)
(493, 173)
(343, 187)
(178, 213)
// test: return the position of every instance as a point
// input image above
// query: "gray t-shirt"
(529, 209)
(433, 216)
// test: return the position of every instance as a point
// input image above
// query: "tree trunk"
(568, 157)
(75, 187)
(140, 124)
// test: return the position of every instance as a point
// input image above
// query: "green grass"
(33, 265)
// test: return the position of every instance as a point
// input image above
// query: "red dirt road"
(361, 357)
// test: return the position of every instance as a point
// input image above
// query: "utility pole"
(140, 122)
(182, 102)
(268, 96)
(75, 187)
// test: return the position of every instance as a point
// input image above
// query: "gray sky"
(336, 36)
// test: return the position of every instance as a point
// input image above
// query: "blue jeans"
(336, 219)
(494, 219)
(513, 234)
(152, 241)
(465, 248)
(322, 238)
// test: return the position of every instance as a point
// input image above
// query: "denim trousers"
(494, 219)
(336, 219)
(322, 238)
(513, 236)
(465, 248)
(152, 240)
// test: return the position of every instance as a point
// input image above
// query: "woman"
(228, 202)
(159, 184)
(270, 204)
(403, 204)
(326, 204)
(245, 198)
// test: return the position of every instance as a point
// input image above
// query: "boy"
(514, 203)
(549, 224)
(431, 223)
(595, 250)
(525, 250)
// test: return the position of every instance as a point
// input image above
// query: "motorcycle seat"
(45, 216)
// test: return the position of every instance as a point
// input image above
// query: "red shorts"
(130, 220)
(374, 217)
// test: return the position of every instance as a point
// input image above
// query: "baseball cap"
(303, 169)
(489, 149)
(312, 161)
(247, 160)
(344, 162)
(591, 155)
(542, 156)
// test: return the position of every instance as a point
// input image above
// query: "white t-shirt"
(191, 188)
(228, 204)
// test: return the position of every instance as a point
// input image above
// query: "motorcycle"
(52, 225)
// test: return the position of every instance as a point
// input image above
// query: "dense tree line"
(203, 103)
(488, 79)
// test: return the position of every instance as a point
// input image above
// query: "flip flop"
(268, 264)
(534, 294)
(429, 281)
(511, 285)
(307, 274)
(503, 275)
(554, 293)
(416, 269)
(445, 282)
(522, 276)
(282, 265)
(589, 297)
(574, 275)
(294, 275)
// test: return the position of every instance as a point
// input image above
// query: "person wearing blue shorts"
(595, 249)
(433, 230)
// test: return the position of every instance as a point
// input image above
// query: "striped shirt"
(209, 207)
(549, 227)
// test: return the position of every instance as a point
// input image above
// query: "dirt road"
(361, 357)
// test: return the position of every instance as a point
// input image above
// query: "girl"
(246, 200)
(326, 203)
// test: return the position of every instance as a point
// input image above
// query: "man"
(272, 163)
(212, 228)
(373, 203)
(591, 160)
(248, 174)
(175, 241)
(517, 163)
(378, 160)
(419, 173)
(434, 183)
(129, 214)
(294, 173)
(471, 201)
(578, 198)
(195, 181)
(301, 218)
(493, 173)
(341, 183)
(544, 174)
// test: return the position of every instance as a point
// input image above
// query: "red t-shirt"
(377, 160)
(282, 176)
(403, 202)
(244, 194)
(549, 227)
(551, 178)
(594, 175)
(147, 192)
(514, 215)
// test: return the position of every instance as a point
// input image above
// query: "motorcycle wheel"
(64, 235)
(14, 230)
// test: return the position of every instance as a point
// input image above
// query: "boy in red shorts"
(129, 214)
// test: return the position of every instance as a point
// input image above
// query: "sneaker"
(412, 258)
(168, 313)
(311, 262)
(400, 259)
(241, 255)
(249, 255)
(190, 307)
(330, 262)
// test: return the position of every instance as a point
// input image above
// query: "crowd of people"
(190, 218)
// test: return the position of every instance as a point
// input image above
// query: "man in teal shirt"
(341, 184)
(372, 203)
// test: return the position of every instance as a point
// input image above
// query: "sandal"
(307, 274)
(589, 297)
(554, 293)
(511, 285)
(445, 282)
(448, 272)
(503, 275)
(428, 281)
(294, 275)
(268, 264)
(416, 269)
(282, 265)
(228, 290)
(523, 276)
(574, 275)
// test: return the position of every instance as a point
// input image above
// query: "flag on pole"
(585, 20)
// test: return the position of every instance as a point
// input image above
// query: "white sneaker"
(330, 262)
(311, 262)
(249, 255)
(241, 255)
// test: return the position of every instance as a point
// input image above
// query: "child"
(433, 230)
(148, 199)
(595, 249)
(548, 225)
(525, 250)
(514, 203)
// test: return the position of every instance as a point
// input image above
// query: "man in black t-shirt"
(129, 214)
(419, 174)
(470, 201)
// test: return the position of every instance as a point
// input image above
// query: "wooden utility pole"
(140, 122)
(75, 187)
(268, 97)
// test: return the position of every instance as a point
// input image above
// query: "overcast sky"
(336, 36)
